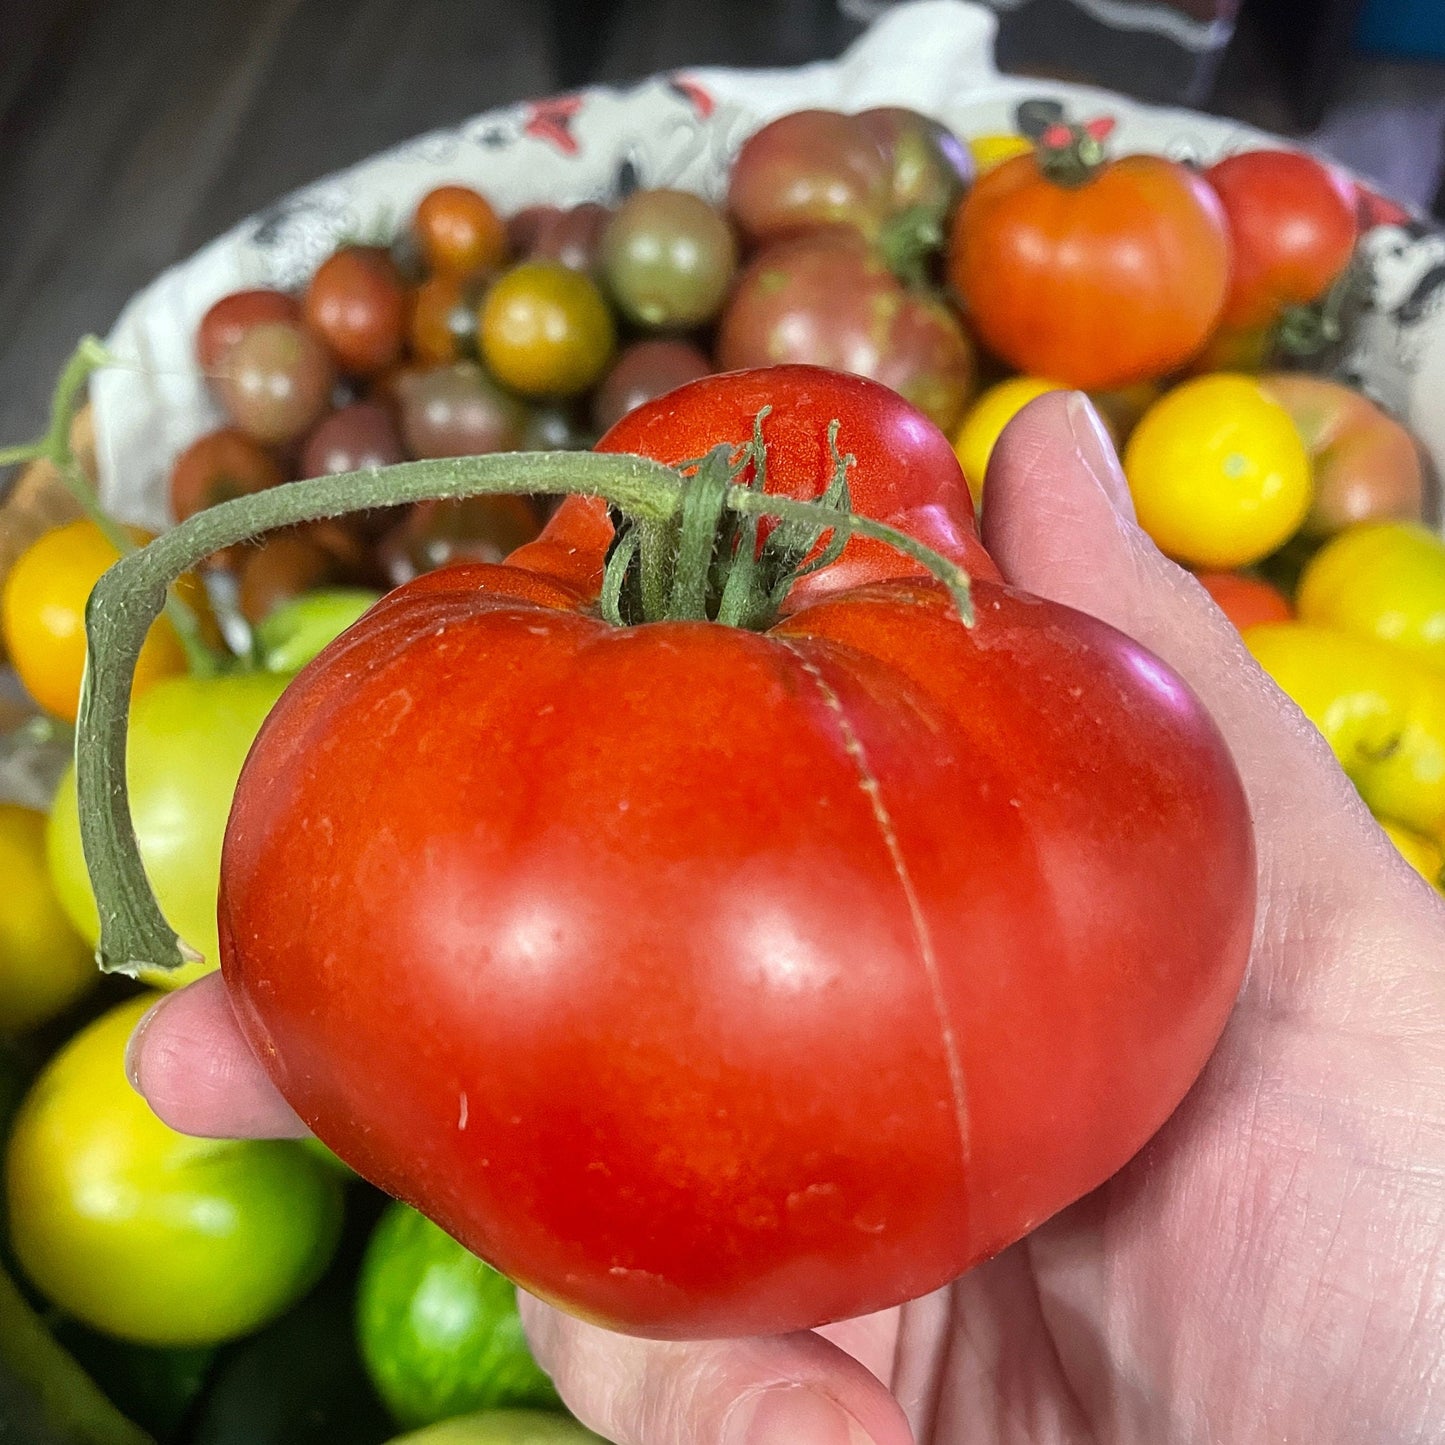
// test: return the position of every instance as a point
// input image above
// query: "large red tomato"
(1293, 221)
(1099, 278)
(716, 982)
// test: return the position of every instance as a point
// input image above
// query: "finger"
(188, 1059)
(1059, 522)
(796, 1389)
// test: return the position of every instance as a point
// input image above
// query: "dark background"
(131, 131)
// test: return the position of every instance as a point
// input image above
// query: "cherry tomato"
(148, 1234)
(1381, 711)
(357, 304)
(643, 371)
(1098, 279)
(709, 871)
(217, 467)
(1367, 466)
(1384, 580)
(990, 151)
(457, 411)
(545, 330)
(42, 615)
(668, 258)
(475, 529)
(287, 564)
(985, 421)
(349, 440)
(444, 318)
(1246, 601)
(1219, 475)
(458, 231)
(826, 299)
(275, 382)
(290, 636)
(45, 965)
(230, 318)
(188, 736)
(570, 236)
(1292, 221)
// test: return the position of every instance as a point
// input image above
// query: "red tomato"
(1292, 221)
(1098, 283)
(357, 303)
(1246, 601)
(218, 466)
(716, 982)
(234, 315)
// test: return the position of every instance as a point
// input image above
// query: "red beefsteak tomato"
(719, 982)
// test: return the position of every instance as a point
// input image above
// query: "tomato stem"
(1070, 155)
(658, 504)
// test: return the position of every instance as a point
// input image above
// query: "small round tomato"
(357, 304)
(188, 739)
(1246, 601)
(985, 420)
(287, 564)
(1293, 221)
(443, 324)
(1384, 580)
(1219, 475)
(991, 151)
(1367, 466)
(45, 965)
(646, 369)
(1100, 277)
(545, 330)
(668, 259)
(218, 466)
(457, 411)
(42, 614)
(472, 529)
(571, 236)
(350, 440)
(438, 1328)
(233, 316)
(458, 231)
(275, 382)
(290, 636)
(148, 1234)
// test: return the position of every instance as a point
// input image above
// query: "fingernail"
(133, 1044)
(1096, 449)
(794, 1415)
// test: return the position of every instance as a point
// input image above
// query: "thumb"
(797, 1389)
(1059, 521)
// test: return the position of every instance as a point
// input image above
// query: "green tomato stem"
(134, 934)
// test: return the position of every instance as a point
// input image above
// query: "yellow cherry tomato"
(986, 419)
(1380, 579)
(45, 965)
(545, 330)
(1219, 475)
(42, 613)
(989, 151)
(1423, 854)
(151, 1235)
(1381, 711)
(188, 739)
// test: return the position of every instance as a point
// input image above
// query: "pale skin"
(1271, 1268)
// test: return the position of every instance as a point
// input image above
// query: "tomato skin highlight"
(665, 886)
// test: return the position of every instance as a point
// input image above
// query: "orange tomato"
(1246, 601)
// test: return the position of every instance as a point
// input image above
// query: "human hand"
(1269, 1268)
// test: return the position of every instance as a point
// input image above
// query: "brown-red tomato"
(357, 303)
(717, 982)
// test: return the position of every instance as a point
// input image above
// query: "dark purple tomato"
(668, 258)
(234, 315)
(275, 382)
(642, 371)
(550, 233)
(475, 529)
(457, 411)
(357, 436)
(829, 300)
(357, 303)
(555, 428)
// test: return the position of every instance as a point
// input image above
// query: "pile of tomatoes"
(970, 278)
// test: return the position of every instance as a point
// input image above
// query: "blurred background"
(131, 131)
